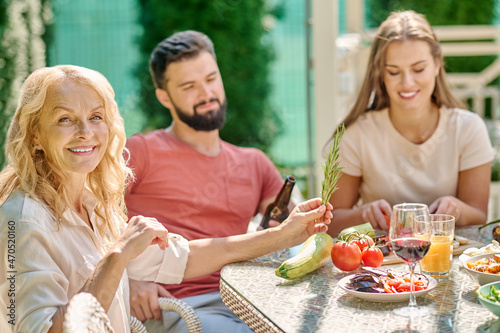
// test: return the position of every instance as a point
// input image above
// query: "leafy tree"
(5, 79)
(444, 12)
(243, 53)
(22, 50)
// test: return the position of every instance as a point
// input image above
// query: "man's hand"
(144, 299)
(307, 218)
(272, 224)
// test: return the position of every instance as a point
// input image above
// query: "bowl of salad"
(489, 297)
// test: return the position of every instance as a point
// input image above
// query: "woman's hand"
(377, 213)
(139, 234)
(307, 218)
(446, 205)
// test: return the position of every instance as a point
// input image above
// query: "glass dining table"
(316, 303)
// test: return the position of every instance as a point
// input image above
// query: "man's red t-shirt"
(195, 195)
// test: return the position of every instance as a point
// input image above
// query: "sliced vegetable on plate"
(385, 286)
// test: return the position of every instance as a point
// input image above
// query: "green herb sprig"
(331, 167)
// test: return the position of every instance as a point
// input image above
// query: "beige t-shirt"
(395, 169)
(49, 265)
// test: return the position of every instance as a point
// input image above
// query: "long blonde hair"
(31, 171)
(399, 26)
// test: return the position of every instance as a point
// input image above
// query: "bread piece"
(461, 240)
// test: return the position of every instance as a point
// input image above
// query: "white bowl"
(480, 277)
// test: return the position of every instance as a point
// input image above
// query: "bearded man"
(190, 180)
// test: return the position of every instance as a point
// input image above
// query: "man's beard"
(212, 120)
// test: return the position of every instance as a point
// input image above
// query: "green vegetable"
(362, 229)
(315, 252)
(494, 292)
(493, 296)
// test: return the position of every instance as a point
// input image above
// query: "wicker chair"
(172, 304)
(86, 315)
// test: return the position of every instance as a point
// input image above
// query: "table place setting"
(325, 298)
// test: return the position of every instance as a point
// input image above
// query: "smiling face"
(410, 74)
(73, 132)
(195, 92)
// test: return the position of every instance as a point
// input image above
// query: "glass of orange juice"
(437, 262)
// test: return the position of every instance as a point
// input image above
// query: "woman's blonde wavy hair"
(399, 26)
(42, 178)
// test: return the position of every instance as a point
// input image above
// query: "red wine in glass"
(410, 235)
(410, 249)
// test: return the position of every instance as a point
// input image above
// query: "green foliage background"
(6, 76)
(23, 35)
(442, 12)
(437, 12)
(244, 53)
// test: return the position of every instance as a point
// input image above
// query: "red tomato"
(405, 286)
(419, 287)
(346, 256)
(394, 283)
(363, 242)
(372, 257)
(399, 285)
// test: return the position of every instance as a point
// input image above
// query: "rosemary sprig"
(489, 223)
(331, 167)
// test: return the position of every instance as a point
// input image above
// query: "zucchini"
(315, 252)
(362, 229)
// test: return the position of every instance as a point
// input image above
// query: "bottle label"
(276, 212)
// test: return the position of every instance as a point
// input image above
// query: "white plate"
(385, 297)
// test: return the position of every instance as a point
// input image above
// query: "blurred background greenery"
(261, 48)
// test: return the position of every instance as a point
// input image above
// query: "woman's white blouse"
(42, 265)
(397, 170)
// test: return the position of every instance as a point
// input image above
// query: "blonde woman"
(407, 138)
(62, 218)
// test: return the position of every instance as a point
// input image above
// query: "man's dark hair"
(181, 45)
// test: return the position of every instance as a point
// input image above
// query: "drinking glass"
(437, 262)
(410, 240)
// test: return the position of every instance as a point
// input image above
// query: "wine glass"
(410, 239)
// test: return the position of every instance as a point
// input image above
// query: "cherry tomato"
(372, 257)
(346, 256)
(363, 242)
